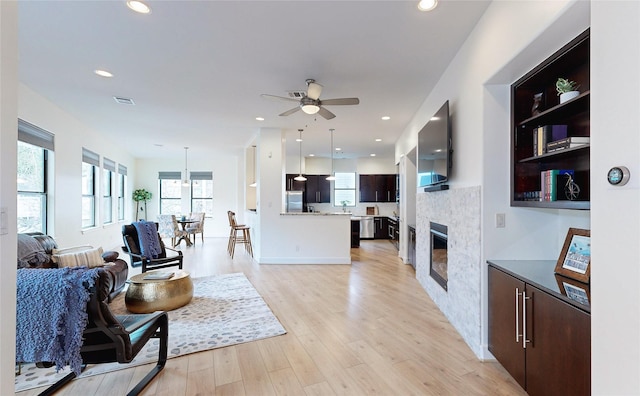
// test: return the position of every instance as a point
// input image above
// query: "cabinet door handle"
(517, 317)
(524, 320)
(376, 196)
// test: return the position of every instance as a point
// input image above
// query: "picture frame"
(575, 258)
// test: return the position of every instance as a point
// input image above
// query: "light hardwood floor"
(360, 329)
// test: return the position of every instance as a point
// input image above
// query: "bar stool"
(244, 238)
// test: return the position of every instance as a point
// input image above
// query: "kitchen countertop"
(315, 214)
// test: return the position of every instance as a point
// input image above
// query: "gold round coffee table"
(150, 295)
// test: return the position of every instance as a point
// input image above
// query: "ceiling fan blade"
(326, 113)
(314, 90)
(281, 98)
(341, 101)
(289, 112)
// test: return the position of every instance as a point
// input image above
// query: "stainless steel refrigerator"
(294, 201)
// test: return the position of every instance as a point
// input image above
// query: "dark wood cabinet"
(541, 336)
(294, 185)
(378, 188)
(381, 227)
(552, 120)
(318, 189)
(355, 233)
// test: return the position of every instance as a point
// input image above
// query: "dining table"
(184, 223)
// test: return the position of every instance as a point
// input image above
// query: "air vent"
(125, 101)
(297, 94)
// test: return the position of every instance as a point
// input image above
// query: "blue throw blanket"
(52, 314)
(148, 238)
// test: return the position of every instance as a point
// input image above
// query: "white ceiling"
(196, 69)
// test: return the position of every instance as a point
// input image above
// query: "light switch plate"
(3, 221)
(500, 220)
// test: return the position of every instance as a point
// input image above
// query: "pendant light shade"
(185, 177)
(332, 176)
(300, 177)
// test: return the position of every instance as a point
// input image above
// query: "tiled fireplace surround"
(459, 210)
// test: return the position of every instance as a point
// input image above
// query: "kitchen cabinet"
(378, 188)
(538, 331)
(381, 227)
(355, 233)
(294, 185)
(318, 189)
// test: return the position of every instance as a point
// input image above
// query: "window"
(170, 193)
(122, 181)
(35, 147)
(344, 190)
(90, 162)
(202, 192)
(107, 190)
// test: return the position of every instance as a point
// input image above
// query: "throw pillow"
(85, 258)
(30, 252)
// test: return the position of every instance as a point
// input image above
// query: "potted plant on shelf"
(141, 195)
(567, 89)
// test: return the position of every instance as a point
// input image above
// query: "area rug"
(225, 310)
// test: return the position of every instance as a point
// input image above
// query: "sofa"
(37, 250)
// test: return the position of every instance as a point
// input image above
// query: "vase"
(568, 95)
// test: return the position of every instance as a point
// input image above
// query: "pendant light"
(332, 176)
(300, 177)
(185, 177)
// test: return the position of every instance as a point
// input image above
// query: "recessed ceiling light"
(298, 140)
(427, 5)
(338, 149)
(378, 140)
(139, 6)
(386, 118)
(312, 155)
(259, 118)
(372, 155)
(103, 73)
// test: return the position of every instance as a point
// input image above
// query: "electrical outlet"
(500, 220)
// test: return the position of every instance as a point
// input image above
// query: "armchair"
(133, 247)
(106, 337)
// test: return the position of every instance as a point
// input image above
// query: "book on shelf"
(551, 181)
(161, 275)
(547, 133)
(568, 142)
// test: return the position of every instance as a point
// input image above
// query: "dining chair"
(168, 227)
(244, 237)
(198, 226)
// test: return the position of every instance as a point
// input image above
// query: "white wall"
(66, 198)
(225, 168)
(8, 187)
(615, 211)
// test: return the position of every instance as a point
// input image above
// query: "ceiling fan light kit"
(311, 104)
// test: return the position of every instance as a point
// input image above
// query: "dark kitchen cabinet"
(378, 188)
(318, 189)
(294, 185)
(381, 227)
(538, 333)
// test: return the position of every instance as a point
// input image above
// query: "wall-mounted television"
(435, 151)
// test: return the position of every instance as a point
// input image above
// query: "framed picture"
(575, 259)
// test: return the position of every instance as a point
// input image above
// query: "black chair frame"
(132, 248)
(117, 338)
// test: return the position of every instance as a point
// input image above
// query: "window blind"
(31, 134)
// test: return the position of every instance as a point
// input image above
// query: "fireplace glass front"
(438, 266)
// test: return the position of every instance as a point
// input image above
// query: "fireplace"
(438, 267)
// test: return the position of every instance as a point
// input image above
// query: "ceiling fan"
(310, 103)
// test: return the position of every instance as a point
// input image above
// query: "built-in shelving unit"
(527, 166)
